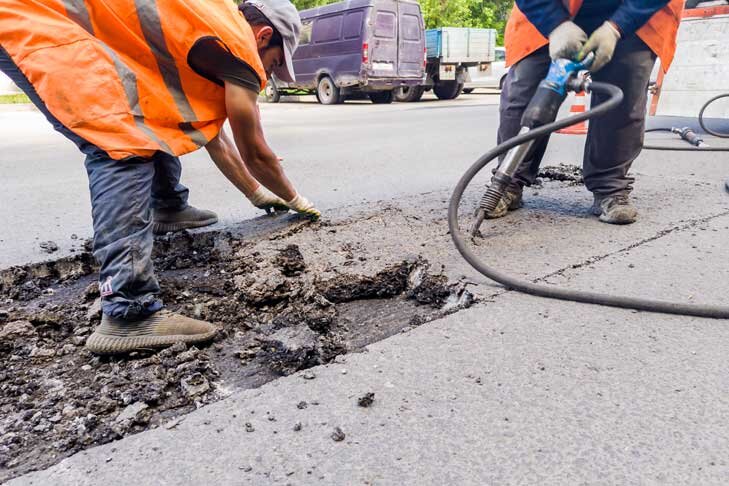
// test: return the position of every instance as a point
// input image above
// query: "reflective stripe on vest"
(659, 33)
(77, 11)
(116, 73)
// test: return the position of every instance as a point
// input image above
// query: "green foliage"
(13, 99)
(451, 13)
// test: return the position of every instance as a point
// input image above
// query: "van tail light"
(365, 53)
(425, 57)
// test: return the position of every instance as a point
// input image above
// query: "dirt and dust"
(562, 173)
(285, 303)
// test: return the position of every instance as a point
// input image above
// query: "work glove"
(566, 41)
(262, 199)
(602, 42)
(303, 206)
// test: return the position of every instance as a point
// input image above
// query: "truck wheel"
(409, 94)
(327, 92)
(448, 90)
(273, 95)
(468, 90)
(382, 97)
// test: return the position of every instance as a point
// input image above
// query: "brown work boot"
(160, 330)
(170, 220)
(615, 209)
(510, 201)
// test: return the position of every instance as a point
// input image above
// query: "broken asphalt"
(515, 389)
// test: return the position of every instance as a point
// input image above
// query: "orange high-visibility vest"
(116, 73)
(659, 33)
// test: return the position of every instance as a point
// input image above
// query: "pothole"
(279, 313)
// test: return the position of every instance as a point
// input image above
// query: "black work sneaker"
(160, 330)
(510, 201)
(171, 220)
(614, 209)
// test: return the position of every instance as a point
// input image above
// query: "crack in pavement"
(595, 259)
(490, 298)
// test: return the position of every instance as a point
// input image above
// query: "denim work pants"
(614, 140)
(123, 194)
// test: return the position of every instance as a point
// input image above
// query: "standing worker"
(625, 36)
(136, 84)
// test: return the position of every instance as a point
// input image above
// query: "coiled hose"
(548, 291)
(702, 123)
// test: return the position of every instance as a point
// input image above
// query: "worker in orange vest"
(136, 84)
(625, 36)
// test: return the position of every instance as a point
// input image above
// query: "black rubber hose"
(701, 117)
(459, 238)
(674, 148)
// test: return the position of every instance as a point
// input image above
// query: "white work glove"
(602, 42)
(303, 206)
(566, 41)
(263, 199)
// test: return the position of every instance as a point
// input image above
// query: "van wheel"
(327, 92)
(468, 90)
(448, 90)
(382, 97)
(409, 94)
(273, 95)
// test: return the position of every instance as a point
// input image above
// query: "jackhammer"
(539, 120)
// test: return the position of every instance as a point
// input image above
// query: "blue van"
(357, 49)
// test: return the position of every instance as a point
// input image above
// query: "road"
(515, 390)
(337, 156)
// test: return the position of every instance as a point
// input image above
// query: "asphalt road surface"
(337, 156)
(515, 390)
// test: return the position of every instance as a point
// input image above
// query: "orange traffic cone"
(578, 106)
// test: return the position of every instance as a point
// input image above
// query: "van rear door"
(384, 43)
(412, 41)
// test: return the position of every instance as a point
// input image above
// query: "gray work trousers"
(614, 141)
(123, 192)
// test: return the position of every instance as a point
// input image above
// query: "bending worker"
(136, 84)
(626, 36)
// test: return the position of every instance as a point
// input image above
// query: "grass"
(13, 99)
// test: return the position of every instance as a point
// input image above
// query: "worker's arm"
(630, 16)
(546, 15)
(264, 166)
(223, 152)
(633, 14)
(552, 19)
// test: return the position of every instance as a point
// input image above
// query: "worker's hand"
(566, 41)
(303, 206)
(602, 42)
(262, 199)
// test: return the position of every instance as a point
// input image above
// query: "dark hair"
(255, 17)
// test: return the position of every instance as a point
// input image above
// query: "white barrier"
(700, 69)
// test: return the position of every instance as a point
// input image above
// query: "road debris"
(366, 400)
(338, 435)
(279, 315)
(562, 173)
(291, 261)
(48, 246)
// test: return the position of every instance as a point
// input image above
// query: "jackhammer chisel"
(542, 110)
